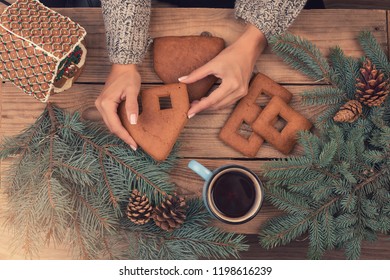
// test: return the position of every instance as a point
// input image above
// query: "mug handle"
(200, 170)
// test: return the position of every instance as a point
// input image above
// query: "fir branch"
(302, 55)
(327, 154)
(103, 223)
(294, 204)
(61, 190)
(73, 168)
(269, 239)
(371, 179)
(346, 70)
(113, 199)
(228, 244)
(353, 248)
(337, 60)
(350, 76)
(345, 176)
(328, 226)
(324, 171)
(21, 143)
(84, 253)
(195, 239)
(293, 163)
(310, 143)
(281, 230)
(323, 192)
(50, 168)
(325, 121)
(305, 183)
(316, 246)
(324, 96)
(104, 150)
(374, 51)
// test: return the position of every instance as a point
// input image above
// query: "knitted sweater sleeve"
(272, 17)
(127, 29)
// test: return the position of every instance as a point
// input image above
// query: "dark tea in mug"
(235, 195)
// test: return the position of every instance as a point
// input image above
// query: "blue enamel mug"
(232, 193)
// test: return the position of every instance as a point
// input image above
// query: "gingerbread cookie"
(247, 112)
(285, 140)
(157, 129)
(177, 56)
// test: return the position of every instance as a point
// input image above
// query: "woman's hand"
(234, 66)
(123, 83)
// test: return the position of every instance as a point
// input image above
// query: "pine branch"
(50, 210)
(195, 239)
(79, 240)
(113, 199)
(304, 56)
(68, 186)
(310, 143)
(325, 121)
(324, 96)
(104, 151)
(346, 70)
(327, 154)
(352, 73)
(50, 169)
(328, 227)
(374, 51)
(21, 143)
(269, 238)
(316, 246)
(371, 179)
(293, 204)
(103, 223)
(343, 178)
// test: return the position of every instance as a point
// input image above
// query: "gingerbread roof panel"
(27, 67)
(47, 29)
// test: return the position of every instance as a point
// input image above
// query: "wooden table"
(199, 140)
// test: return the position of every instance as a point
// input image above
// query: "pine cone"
(171, 213)
(139, 210)
(349, 112)
(371, 88)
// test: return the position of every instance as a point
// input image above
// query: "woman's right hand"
(123, 83)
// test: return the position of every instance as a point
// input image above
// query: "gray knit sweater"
(127, 23)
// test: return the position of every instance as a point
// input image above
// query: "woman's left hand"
(234, 66)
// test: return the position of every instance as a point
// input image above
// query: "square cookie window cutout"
(285, 140)
(246, 112)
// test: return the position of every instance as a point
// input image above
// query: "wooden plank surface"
(200, 131)
(155, 3)
(297, 250)
(325, 28)
(20, 111)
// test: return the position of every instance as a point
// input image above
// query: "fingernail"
(133, 119)
(182, 78)
(134, 148)
(190, 116)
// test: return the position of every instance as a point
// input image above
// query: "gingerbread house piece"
(42, 52)
(158, 127)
